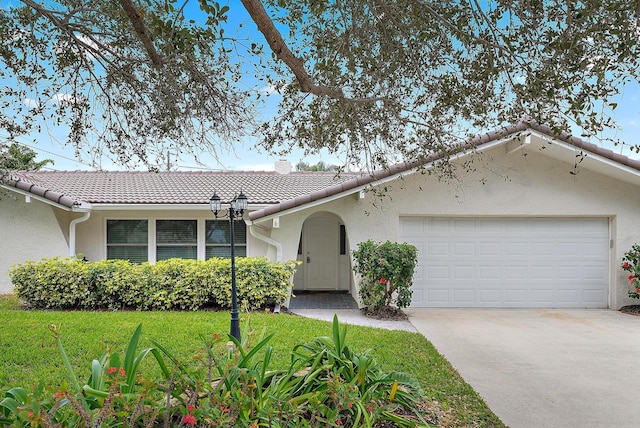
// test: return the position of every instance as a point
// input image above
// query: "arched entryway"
(324, 255)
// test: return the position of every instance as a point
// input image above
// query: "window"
(136, 240)
(176, 238)
(343, 240)
(127, 240)
(218, 238)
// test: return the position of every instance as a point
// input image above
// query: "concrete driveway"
(544, 368)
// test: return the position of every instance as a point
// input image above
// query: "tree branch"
(141, 30)
(279, 47)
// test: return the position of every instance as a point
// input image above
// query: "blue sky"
(247, 157)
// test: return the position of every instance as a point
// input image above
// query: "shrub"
(631, 263)
(326, 384)
(70, 283)
(57, 283)
(386, 273)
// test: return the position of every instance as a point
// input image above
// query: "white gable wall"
(28, 231)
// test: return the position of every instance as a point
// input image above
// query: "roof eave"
(43, 199)
(163, 207)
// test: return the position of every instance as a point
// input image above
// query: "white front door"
(320, 248)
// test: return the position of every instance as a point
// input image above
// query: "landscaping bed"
(28, 352)
(631, 310)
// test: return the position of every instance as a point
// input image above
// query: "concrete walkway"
(544, 368)
(353, 316)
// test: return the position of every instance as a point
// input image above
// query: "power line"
(41, 150)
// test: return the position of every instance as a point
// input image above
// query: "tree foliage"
(129, 80)
(320, 166)
(375, 80)
(417, 76)
(15, 157)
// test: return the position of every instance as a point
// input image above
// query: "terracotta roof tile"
(176, 187)
(279, 191)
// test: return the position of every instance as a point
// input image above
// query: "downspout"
(276, 244)
(268, 240)
(72, 232)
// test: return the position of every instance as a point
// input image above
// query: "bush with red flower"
(631, 263)
(386, 273)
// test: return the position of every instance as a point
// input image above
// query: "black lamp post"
(237, 207)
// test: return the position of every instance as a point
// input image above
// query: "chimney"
(283, 166)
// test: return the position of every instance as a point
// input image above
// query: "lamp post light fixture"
(237, 207)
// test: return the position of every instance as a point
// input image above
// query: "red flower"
(370, 409)
(383, 281)
(112, 370)
(190, 408)
(189, 419)
(637, 290)
(625, 265)
(631, 278)
(216, 336)
(350, 405)
(122, 372)
(338, 422)
(31, 415)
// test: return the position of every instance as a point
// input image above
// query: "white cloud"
(62, 99)
(30, 103)
(274, 88)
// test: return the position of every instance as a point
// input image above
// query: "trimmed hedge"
(175, 284)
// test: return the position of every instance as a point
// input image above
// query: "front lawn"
(28, 351)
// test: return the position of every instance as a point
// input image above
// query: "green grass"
(28, 353)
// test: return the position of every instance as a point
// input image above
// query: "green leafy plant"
(386, 273)
(174, 284)
(631, 263)
(226, 384)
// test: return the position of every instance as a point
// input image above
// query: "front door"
(320, 248)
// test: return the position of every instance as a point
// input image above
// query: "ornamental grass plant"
(344, 387)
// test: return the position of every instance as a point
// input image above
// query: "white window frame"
(151, 233)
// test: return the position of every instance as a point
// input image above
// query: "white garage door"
(509, 262)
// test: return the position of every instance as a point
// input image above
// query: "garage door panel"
(464, 296)
(490, 296)
(540, 272)
(593, 296)
(517, 272)
(436, 248)
(510, 262)
(595, 272)
(464, 272)
(464, 249)
(569, 296)
(492, 273)
(436, 272)
(437, 296)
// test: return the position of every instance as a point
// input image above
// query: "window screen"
(218, 238)
(127, 240)
(176, 239)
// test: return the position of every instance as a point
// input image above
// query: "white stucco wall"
(28, 231)
(497, 184)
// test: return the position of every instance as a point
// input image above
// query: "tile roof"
(70, 188)
(280, 191)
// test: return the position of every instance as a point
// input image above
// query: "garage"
(511, 262)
